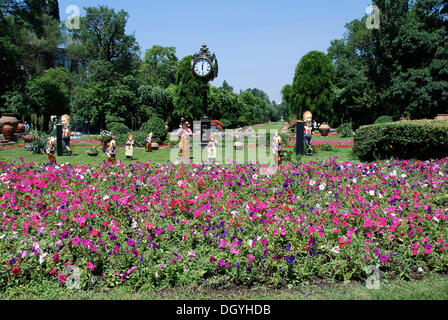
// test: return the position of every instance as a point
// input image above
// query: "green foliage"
(400, 68)
(327, 147)
(345, 130)
(102, 37)
(39, 143)
(288, 155)
(139, 138)
(156, 126)
(384, 119)
(421, 139)
(106, 136)
(188, 94)
(160, 65)
(117, 128)
(312, 88)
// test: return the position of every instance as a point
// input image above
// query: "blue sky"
(258, 43)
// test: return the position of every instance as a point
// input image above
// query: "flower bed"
(318, 143)
(144, 224)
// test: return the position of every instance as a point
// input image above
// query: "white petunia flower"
(336, 250)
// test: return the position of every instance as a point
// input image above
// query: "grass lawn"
(434, 287)
(80, 156)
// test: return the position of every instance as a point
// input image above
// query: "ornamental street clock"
(205, 68)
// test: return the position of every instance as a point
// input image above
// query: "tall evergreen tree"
(188, 94)
(312, 88)
(53, 9)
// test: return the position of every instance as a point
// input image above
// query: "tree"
(188, 94)
(160, 65)
(354, 94)
(49, 93)
(155, 101)
(287, 101)
(102, 37)
(53, 9)
(312, 88)
(226, 87)
(259, 93)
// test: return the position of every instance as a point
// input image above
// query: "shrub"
(384, 119)
(421, 139)
(345, 130)
(326, 147)
(156, 126)
(39, 143)
(117, 128)
(139, 138)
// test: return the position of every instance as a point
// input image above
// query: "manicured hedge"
(384, 119)
(421, 139)
(156, 126)
(117, 128)
(345, 130)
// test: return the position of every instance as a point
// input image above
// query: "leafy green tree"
(287, 101)
(49, 93)
(160, 65)
(188, 94)
(102, 37)
(312, 88)
(259, 93)
(156, 101)
(53, 9)
(225, 86)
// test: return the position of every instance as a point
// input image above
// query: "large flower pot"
(8, 132)
(9, 118)
(20, 128)
(324, 129)
(155, 146)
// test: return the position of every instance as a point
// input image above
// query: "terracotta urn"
(324, 129)
(20, 128)
(9, 118)
(8, 132)
(155, 146)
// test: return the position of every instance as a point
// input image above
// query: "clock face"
(202, 67)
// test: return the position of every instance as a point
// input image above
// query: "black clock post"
(204, 67)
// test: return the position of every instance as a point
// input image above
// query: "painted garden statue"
(66, 133)
(50, 150)
(308, 117)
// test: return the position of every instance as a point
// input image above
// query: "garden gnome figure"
(130, 147)
(148, 142)
(108, 153)
(50, 150)
(181, 127)
(307, 117)
(277, 148)
(113, 151)
(66, 133)
(211, 149)
(186, 133)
